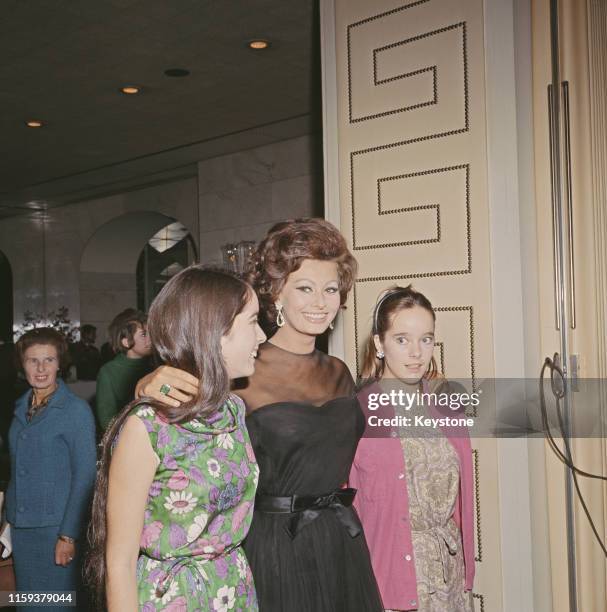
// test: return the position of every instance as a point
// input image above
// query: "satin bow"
(307, 508)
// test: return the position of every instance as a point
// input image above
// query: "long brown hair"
(392, 301)
(186, 323)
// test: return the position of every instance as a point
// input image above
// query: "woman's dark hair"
(286, 245)
(392, 301)
(46, 336)
(186, 323)
(123, 327)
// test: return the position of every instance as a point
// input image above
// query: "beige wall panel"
(413, 185)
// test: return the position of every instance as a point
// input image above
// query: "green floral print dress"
(199, 510)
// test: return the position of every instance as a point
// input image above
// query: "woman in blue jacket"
(53, 461)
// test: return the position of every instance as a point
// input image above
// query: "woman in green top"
(176, 485)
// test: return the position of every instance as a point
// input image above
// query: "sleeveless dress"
(199, 509)
(305, 425)
(432, 472)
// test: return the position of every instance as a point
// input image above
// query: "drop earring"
(280, 319)
(331, 326)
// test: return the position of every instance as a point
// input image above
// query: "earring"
(280, 319)
(380, 354)
(331, 326)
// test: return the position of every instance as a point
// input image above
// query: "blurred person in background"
(85, 355)
(117, 379)
(53, 464)
(107, 352)
(8, 379)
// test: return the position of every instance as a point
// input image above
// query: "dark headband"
(387, 294)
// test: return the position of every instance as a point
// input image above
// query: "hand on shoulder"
(168, 385)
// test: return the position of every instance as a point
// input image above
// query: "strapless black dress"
(315, 558)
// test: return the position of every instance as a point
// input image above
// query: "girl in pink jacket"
(414, 484)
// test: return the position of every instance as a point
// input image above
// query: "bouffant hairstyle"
(46, 336)
(286, 245)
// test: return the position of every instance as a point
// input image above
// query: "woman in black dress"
(305, 546)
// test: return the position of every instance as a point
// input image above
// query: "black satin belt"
(306, 508)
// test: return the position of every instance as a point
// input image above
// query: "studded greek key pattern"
(480, 607)
(477, 506)
(410, 180)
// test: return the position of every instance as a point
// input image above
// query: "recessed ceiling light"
(34, 123)
(258, 44)
(176, 72)
(130, 90)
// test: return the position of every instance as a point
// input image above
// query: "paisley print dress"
(432, 472)
(199, 510)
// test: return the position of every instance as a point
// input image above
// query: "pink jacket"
(382, 503)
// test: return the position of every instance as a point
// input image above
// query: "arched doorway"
(109, 264)
(168, 251)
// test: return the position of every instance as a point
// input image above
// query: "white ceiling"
(62, 61)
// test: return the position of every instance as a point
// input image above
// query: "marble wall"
(108, 263)
(235, 197)
(45, 252)
(242, 195)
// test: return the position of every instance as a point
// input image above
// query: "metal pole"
(564, 314)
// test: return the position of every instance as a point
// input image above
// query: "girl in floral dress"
(175, 489)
